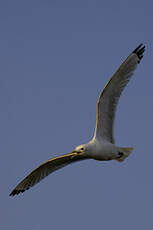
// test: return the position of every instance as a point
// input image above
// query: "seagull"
(102, 146)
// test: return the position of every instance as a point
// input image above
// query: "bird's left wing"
(45, 169)
(107, 103)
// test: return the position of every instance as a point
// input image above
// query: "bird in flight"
(102, 146)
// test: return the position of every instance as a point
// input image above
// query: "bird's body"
(104, 151)
(100, 150)
(102, 146)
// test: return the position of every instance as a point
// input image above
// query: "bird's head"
(80, 149)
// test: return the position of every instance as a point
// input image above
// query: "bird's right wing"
(45, 169)
(108, 100)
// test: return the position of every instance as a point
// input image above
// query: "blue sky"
(56, 56)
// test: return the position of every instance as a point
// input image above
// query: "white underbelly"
(104, 152)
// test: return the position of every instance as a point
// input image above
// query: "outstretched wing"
(107, 102)
(44, 170)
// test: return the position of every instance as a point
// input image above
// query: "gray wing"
(107, 102)
(44, 170)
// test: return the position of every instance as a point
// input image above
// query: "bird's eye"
(82, 148)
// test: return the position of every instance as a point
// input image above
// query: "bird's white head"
(80, 148)
(85, 148)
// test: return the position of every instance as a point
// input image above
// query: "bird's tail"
(126, 152)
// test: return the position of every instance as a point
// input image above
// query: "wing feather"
(108, 100)
(44, 170)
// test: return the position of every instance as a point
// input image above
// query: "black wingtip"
(16, 192)
(134, 51)
(139, 51)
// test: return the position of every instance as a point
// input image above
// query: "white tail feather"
(126, 152)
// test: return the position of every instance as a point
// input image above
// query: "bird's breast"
(103, 151)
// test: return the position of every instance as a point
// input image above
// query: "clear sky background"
(55, 58)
